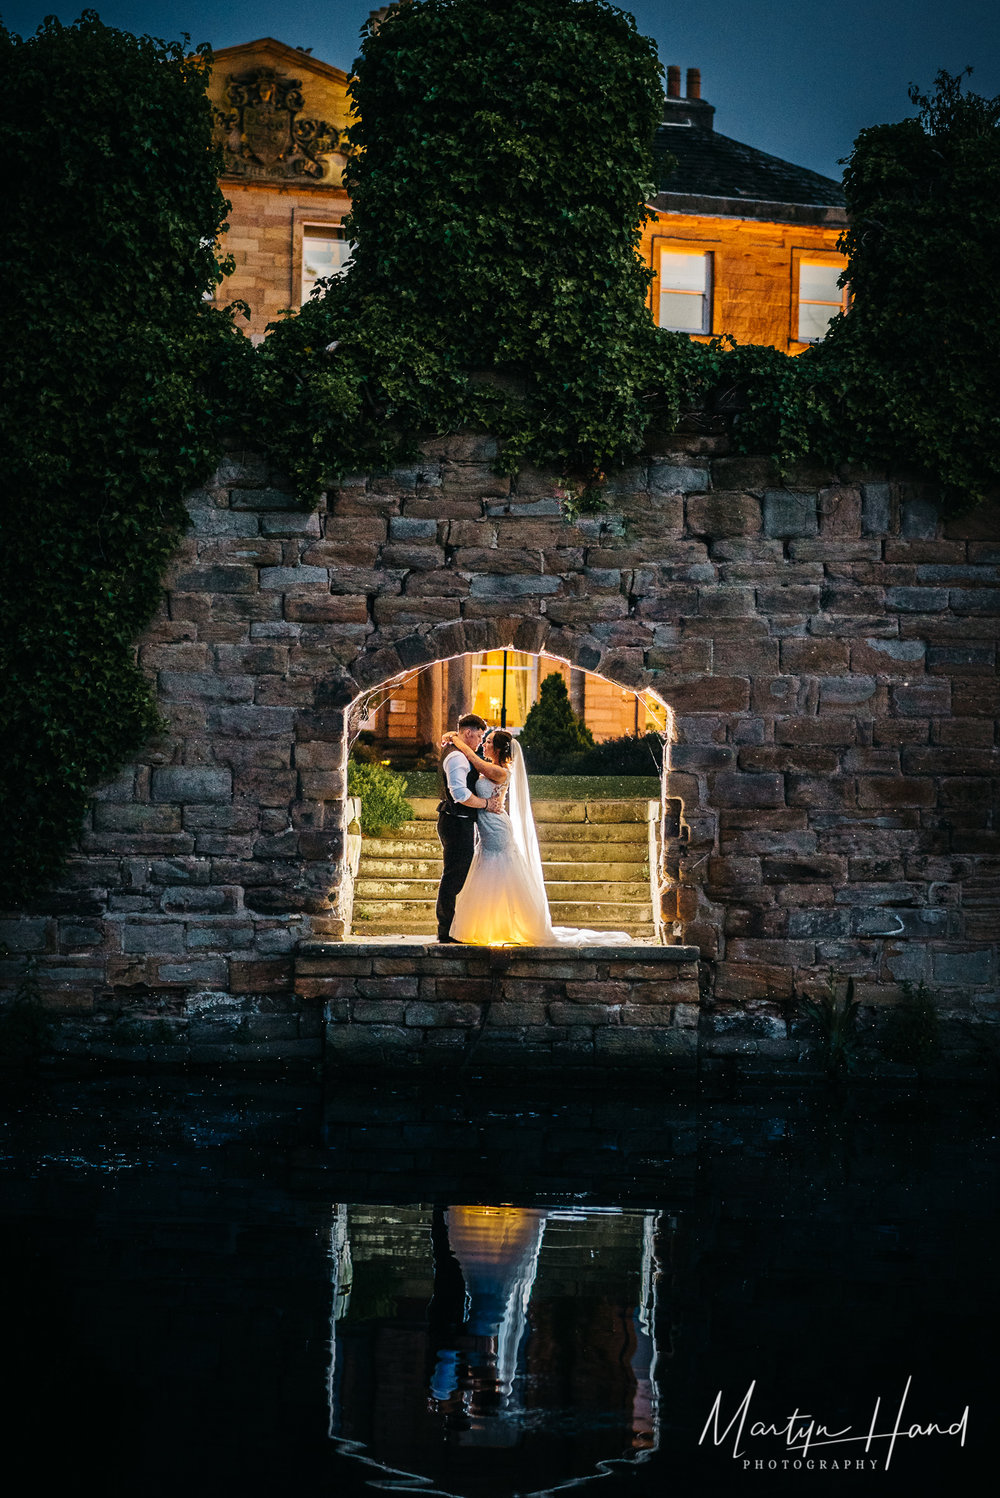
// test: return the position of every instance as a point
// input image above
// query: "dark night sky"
(798, 80)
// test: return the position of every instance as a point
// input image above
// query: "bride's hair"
(503, 745)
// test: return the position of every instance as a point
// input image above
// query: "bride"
(503, 900)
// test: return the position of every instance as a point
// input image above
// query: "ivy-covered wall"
(827, 645)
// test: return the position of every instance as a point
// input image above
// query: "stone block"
(808, 656)
(922, 698)
(26, 934)
(971, 968)
(723, 515)
(136, 818)
(513, 586)
(975, 600)
(822, 793)
(191, 784)
(919, 519)
(291, 579)
(890, 791)
(888, 657)
(262, 499)
(735, 788)
(712, 694)
(584, 1014)
(907, 600)
(379, 1011)
(205, 970)
(845, 691)
(876, 509)
(787, 514)
(217, 579)
(668, 478)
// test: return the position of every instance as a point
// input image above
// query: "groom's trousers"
(458, 843)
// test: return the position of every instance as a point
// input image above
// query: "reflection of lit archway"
(405, 715)
(493, 1392)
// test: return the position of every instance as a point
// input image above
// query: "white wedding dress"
(503, 900)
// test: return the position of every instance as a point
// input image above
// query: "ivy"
(907, 378)
(115, 380)
(500, 168)
(502, 163)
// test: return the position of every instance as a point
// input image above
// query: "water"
(229, 1288)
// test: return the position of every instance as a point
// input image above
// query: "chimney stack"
(693, 83)
(673, 82)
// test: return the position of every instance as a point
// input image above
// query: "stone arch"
(322, 738)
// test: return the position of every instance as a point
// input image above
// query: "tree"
(909, 375)
(503, 159)
(115, 377)
(552, 732)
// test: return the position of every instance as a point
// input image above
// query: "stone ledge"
(313, 951)
(394, 1004)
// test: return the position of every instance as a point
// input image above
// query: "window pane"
(681, 312)
(324, 253)
(814, 319)
(818, 282)
(680, 271)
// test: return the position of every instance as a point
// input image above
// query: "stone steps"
(595, 861)
(580, 891)
(555, 871)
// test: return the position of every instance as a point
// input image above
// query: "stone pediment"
(279, 114)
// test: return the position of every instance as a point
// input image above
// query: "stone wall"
(827, 646)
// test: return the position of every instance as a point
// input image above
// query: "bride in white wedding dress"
(503, 900)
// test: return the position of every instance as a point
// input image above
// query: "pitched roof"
(738, 179)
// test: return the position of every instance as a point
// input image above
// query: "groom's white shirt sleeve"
(456, 772)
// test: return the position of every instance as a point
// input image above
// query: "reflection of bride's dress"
(503, 899)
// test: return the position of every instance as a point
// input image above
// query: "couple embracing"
(492, 890)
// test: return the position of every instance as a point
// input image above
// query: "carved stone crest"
(262, 131)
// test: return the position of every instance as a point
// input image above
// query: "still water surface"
(230, 1289)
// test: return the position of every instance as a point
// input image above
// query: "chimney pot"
(673, 83)
(693, 83)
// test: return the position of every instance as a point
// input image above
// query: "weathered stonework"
(827, 647)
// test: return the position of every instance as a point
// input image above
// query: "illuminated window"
(685, 291)
(820, 298)
(325, 252)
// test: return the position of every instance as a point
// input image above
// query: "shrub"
(632, 754)
(497, 198)
(116, 373)
(382, 794)
(553, 738)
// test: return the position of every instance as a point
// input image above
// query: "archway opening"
(609, 833)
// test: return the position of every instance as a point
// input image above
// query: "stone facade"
(827, 647)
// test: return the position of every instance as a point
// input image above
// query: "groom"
(456, 824)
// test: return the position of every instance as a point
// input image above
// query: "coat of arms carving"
(263, 133)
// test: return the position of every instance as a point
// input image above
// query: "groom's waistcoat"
(449, 805)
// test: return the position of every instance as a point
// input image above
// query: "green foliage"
(503, 161)
(631, 754)
(115, 378)
(553, 738)
(382, 794)
(833, 1020)
(908, 377)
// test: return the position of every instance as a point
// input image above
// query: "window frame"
(303, 219)
(817, 256)
(679, 244)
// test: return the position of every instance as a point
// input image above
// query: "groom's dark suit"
(456, 827)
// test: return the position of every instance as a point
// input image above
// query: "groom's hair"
(471, 720)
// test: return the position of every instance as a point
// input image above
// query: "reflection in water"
(472, 1339)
